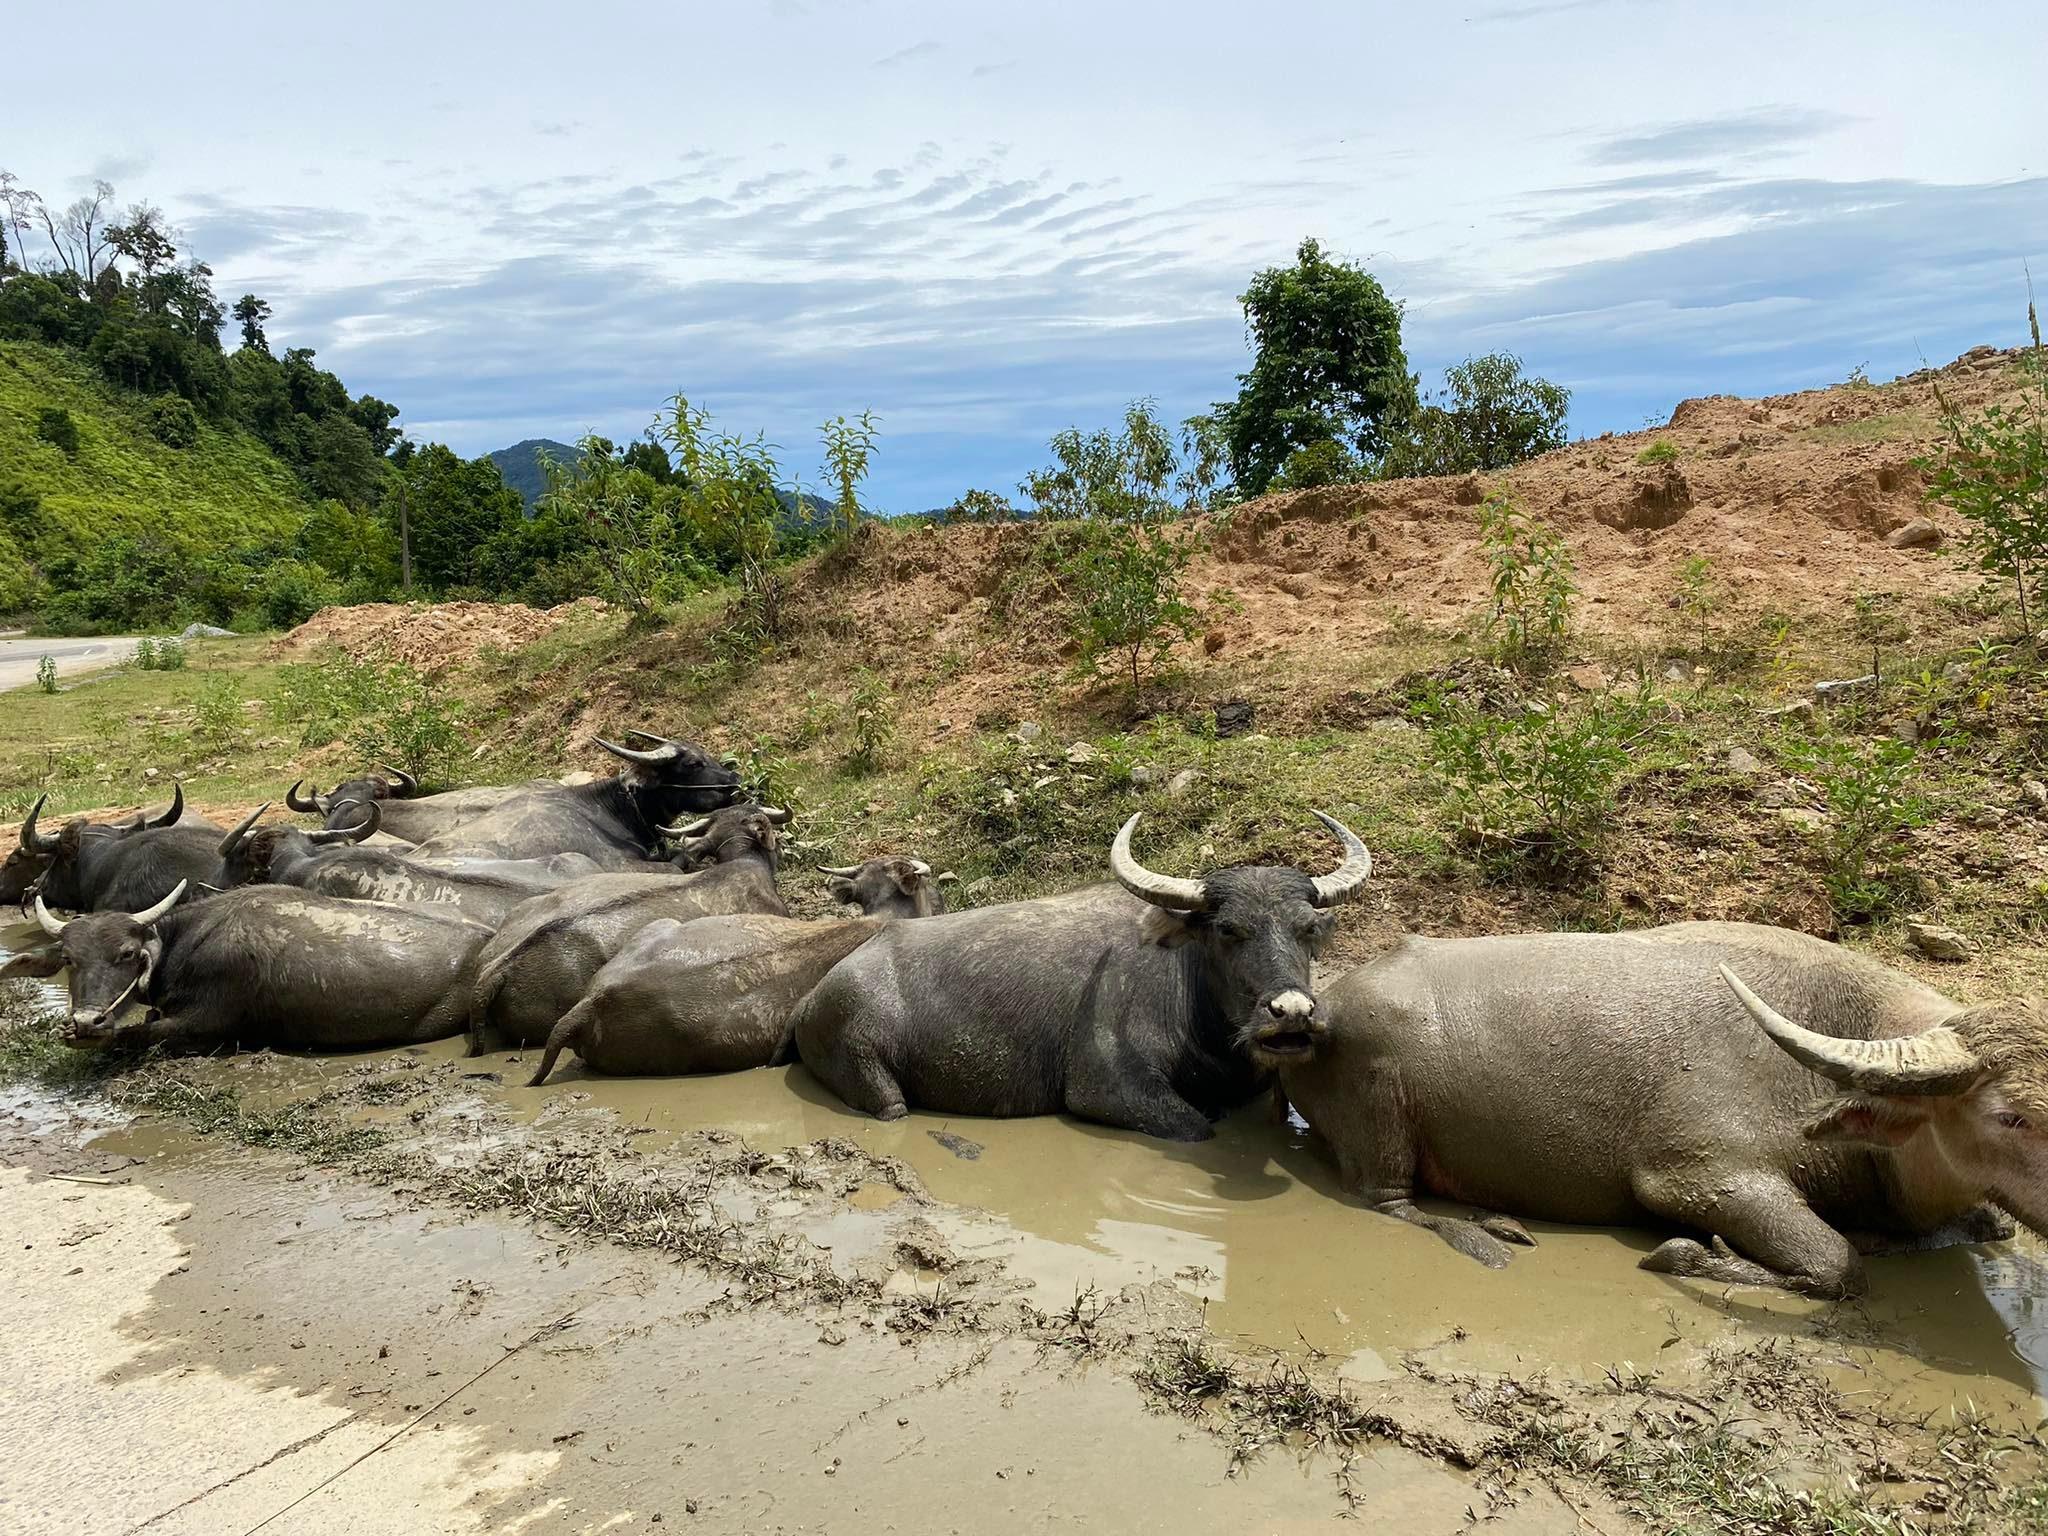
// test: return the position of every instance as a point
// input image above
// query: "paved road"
(20, 657)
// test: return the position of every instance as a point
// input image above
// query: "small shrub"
(55, 427)
(326, 697)
(814, 720)
(1531, 579)
(1128, 606)
(289, 592)
(1868, 786)
(874, 725)
(172, 421)
(1859, 378)
(46, 674)
(414, 732)
(766, 773)
(1661, 451)
(170, 655)
(1328, 462)
(218, 712)
(1699, 596)
(145, 654)
(1541, 782)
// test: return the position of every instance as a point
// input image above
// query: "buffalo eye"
(1237, 933)
(2013, 1120)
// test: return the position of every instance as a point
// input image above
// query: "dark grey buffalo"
(716, 994)
(407, 816)
(331, 862)
(1617, 1078)
(615, 821)
(889, 886)
(549, 948)
(125, 868)
(1157, 1007)
(265, 965)
(35, 850)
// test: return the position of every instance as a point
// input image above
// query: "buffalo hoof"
(1475, 1242)
(1507, 1229)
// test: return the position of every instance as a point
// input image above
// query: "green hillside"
(225, 489)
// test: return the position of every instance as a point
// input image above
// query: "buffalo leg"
(561, 1038)
(1981, 1224)
(1150, 1106)
(859, 1077)
(1764, 1234)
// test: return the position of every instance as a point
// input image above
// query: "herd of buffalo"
(1640, 1077)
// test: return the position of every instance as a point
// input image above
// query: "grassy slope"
(227, 488)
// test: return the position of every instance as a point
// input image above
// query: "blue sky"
(518, 220)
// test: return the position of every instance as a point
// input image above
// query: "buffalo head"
(1260, 927)
(672, 778)
(384, 784)
(730, 834)
(248, 852)
(37, 852)
(1976, 1084)
(112, 956)
(891, 886)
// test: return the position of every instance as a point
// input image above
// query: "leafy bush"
(412, 731)
(874, 725)
(1128, 606)
(145, 654)
(1868, 786)
(289, 592)
(46, 674)
(1698, 597)
(1541, 782)
(55, 427)
(1326, 463)
(325, 697)
(1659, 452)
(979, 507)
(1490, 415)
(218, 718)
(170, 655)
(1993, 469)
(848, 447)
(1531, 580)
(172, 421)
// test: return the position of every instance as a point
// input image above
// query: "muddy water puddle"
(1252, 1222)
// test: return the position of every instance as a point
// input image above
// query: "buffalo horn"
(633, 755)
(1935, 1061)
(33, 841)
(1348, 878)
(403, 782)
(53, 926)
(169, 817)
(233, 841)
(919, 868)
(696, 828)
(1168, 891)
(843, 872)
(149, 915)
(777, 816)
(305, 805)
(373, 817)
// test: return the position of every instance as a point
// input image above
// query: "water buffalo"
(406, 817)
(614, 821)
(34, 851)
(544, 956)
(266, 965)
(890, 886)
(716, 994)
(1156, 1013)
(330, 862)
(122, 869)
(1614, 1078)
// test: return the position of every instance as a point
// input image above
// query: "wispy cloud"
(923, 50)
(1761, 131)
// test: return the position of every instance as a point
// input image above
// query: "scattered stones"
(1234, 717)
(1028, 731)
(1182, 782)
(1080, 752)
(1918, 534)
(1937, 942)
(1144, 775)
(1590, 677)
(1782, 793)
(1803, 816)
(1742, 760)
(1796, 707)
(2035, 793)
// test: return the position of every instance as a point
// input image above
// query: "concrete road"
(19, 657)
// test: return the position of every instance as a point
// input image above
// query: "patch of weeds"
(415, 732)
(1185, 1374)
(216, 1109)
(32, 1047)
(1682, 1478)
(1872, 797)
(1662, 451)
(874, 722)
(46, 674)
(1877, 620)
(1530, 570)
(217, 712)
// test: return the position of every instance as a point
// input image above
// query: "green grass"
(226, 489)
(1659, 452)
(1900, 426)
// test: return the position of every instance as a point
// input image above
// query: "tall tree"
(78, 235)
(1327, 364)
(18, 207)
(146, 239)
(251, 312)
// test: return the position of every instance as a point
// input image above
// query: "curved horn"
(373, 818)
(630, 755)
(843, 872)
(1934, 1061)
(33, 841)
(1168, 891)
(233, 841)
(696, 828)
(304, 805)
(407, 785)
(919, 868)
(1348, 878)
(169, 817)
(54, 927)
(149, 915)
(777, 816)
(664, 741)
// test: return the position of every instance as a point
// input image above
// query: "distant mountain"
(520, 465)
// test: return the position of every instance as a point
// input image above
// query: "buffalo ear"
(1866, 1120)
(839, 888)
(1167, 928)
(43, 960)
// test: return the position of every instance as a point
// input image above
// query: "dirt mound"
(430, 636)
